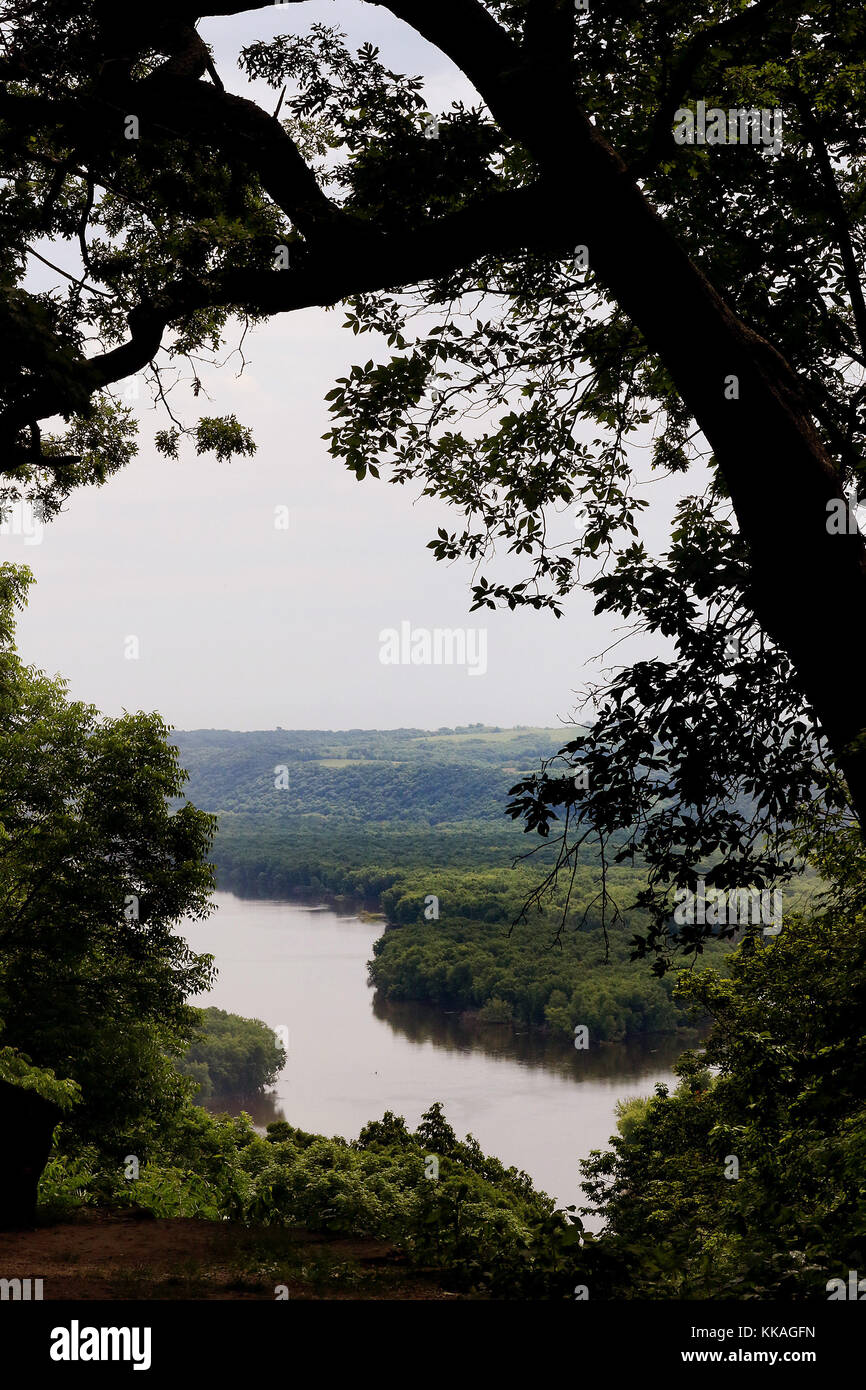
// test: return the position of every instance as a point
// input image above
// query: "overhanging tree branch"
(737, 386)
(504, 223)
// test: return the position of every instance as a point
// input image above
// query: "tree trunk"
(808, 585)
(28, 1125)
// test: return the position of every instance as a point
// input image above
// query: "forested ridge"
(403, 819)
(362, 776)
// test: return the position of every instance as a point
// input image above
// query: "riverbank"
(495, 979)
(534, 1101)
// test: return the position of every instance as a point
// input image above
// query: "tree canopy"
(95, 871)
(232, 1055)
(563, 289)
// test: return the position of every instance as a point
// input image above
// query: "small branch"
(82, 228)
(79, 284)
(838, 213)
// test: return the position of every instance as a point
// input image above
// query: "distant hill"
(391, 817)
(362, 776)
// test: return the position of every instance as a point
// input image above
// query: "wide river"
(536, 1103)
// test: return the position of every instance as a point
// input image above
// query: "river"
(534, 1102)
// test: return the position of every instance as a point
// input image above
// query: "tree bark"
(806, 582)
(28, 1125)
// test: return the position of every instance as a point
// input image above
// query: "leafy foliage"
(18, 1070)
(780, 1090)
(533, 974)
(232, 1056)
(95, 870)
(483, 1223)
(528, 389)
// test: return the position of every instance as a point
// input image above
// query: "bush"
(496, 1011)
(483, 1223)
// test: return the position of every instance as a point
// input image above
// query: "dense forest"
(362, 777)
(777, 1090)
(593, 261)
(232, 1056)
(364, 817)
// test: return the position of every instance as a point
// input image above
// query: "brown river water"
(533, 1101)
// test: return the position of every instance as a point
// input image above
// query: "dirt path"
(102, 1255)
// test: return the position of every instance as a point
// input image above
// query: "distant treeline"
(467, 956)
(456, 949)
(415, 824)
(256, 859)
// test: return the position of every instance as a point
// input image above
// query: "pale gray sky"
(245, 626)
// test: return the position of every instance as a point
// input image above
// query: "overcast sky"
(241, 625)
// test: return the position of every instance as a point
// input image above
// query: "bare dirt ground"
(104, 1255)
